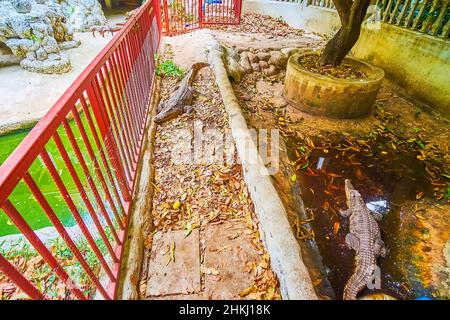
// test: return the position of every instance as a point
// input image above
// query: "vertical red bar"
(200, 13)
(166, 17)
(136, 74)
(125, 94)
(97, 169)
(126, 66)
(23, 226)
(61, 230)
(140, 66)
(123, 158)
(157, 9)
(120, 159)
(112, 153)
(84, 196)
(118, 62)
(239, 10)
(85, 169)
(12, 273)
(72, 207)
(120, 103)
(114, 117)
(102, 153)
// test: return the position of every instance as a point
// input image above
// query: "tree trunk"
(340, 45)
(352, 15)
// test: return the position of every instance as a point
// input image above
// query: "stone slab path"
(205, 242)
(174, 265)
(227, 250)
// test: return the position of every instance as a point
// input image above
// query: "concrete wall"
(309, 18)
(418, 63)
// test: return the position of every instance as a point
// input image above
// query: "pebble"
(264, 56)
(252, 57)
(256, 67)
(263, 64)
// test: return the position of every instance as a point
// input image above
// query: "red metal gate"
(184, 15)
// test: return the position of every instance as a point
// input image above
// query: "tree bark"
(351, 14)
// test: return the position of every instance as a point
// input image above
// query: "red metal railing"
(98, 128)
(186, 15)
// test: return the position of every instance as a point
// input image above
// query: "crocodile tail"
(351, 289)
(357, 282)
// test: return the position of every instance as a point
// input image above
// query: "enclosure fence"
(185, 15)
(431, 17)
(293, 1)
(321, 3)
(427, 16)
(93, 137)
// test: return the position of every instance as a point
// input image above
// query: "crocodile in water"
(364, 238)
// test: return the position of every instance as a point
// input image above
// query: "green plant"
(169, 68)
(35, 38)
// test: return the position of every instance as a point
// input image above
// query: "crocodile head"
(353, 196)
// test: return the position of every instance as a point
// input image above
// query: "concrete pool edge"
(285, 253)
(15, 127)
(140, 225)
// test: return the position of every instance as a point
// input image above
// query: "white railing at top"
(431, 17)
(427, 16)
(322, 3)
(292, 1)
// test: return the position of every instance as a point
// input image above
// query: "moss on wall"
(418, 63)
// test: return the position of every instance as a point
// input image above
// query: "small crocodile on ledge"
(364, 238)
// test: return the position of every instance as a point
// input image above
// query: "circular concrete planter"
(337, 98)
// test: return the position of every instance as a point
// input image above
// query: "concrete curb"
(285, 255)
(140, 220)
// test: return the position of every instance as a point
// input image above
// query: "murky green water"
(387, 179)
(22, 198)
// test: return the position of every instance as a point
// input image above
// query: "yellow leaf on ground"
(176, 205)
(172, 253)
(249, 220)
(214, 271)
(420, 216)
(247, 291)
(270, 294)
(336, 226)
(255, 295)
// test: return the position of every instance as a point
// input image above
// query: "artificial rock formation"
(241, 62)
(83, 14)
(35, 32)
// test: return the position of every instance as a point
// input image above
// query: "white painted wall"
(297, 15)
